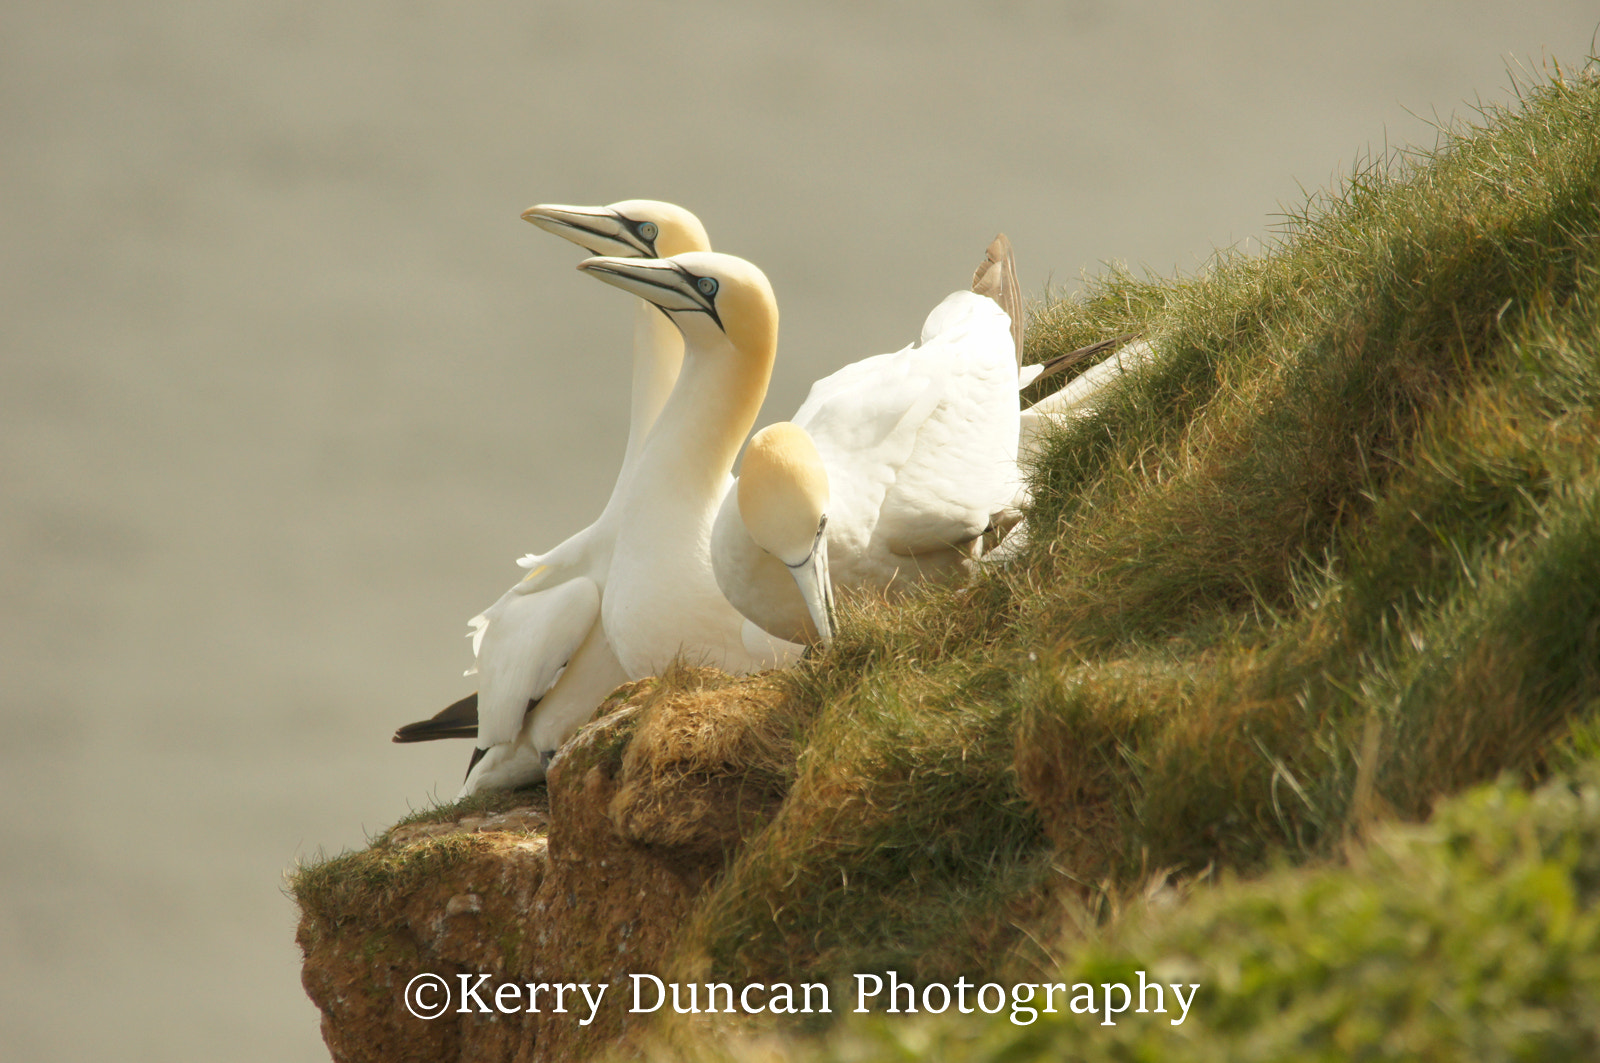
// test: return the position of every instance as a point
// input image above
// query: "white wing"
(1084, 392)
(920, 444)
(525, 642)
(962, 467)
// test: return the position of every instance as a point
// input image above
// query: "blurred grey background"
(286, 385)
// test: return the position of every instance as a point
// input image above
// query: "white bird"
(543, 662)
(894, 467)
(889, 473)
(662, 601)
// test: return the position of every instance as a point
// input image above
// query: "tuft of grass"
(1331, 558)
(484, 803)
(353, 885)
(903, 825)
(1476, 936)
(706, 760)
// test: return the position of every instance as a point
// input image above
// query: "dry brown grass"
(708, 761)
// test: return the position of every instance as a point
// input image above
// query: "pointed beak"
(600, 230)
(660, 281)
(816, 588)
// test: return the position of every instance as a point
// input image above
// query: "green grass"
(1332, 561)
(1336, 557)
(903, 822)
(485, 803)
(1474, 937)
(353, 887)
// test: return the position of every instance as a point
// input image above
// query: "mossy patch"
(1476, 936)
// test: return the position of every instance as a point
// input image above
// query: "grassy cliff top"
(1336, 555)
(1333, 558)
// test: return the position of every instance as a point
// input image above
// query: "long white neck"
(702, 425)
(661, 596)
(657, 359)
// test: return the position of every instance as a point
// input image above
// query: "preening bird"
(890, 472)
(543, 661)
(895, 466)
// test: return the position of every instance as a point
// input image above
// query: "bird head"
(701, 291)
(783, 500)
(633, 228)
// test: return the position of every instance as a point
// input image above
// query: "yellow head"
(700, 291)
(783, 492)
(633, 228)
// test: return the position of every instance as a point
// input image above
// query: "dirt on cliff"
(580, 884)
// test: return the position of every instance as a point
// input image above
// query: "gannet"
(543, 662)
(633, 228)
(889, 472)
(661, 600)
(894, 467)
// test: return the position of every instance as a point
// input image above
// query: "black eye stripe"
(699, 284)
(646, 232)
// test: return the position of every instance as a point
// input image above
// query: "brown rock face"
(578, 887)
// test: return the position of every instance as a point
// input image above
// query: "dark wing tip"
(457, 720)
(1062, 362)
(477, 755)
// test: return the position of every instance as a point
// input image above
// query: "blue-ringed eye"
(707, 286)
(648, 230)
